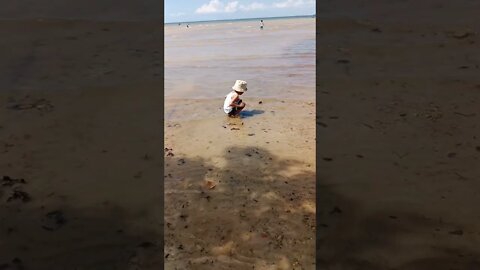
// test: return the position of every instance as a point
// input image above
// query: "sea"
(203, 61)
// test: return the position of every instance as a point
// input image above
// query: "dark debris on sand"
(42, 105)
(8, 181)
(462, 34)
(17, 194)
(456, 232)
(54, 220)
(181, 161)
(169, 152)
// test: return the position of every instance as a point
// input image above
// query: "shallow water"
(204, 61)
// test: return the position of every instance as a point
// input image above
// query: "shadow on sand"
(260, 213)
(250, 113)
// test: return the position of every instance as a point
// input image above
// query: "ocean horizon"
(242, 19)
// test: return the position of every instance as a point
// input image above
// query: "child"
(233, 105)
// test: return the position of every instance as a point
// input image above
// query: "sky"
(206, 10)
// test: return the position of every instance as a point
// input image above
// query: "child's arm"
(234, 102)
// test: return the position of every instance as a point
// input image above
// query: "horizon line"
(250, 18)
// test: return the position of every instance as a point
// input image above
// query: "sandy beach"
(240, 193)
(398, 135)
(80, 145)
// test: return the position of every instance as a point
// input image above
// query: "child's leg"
(233, 112)
(240, 108)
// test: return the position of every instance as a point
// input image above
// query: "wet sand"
(260, 212)
(398, 135)
(76, 127)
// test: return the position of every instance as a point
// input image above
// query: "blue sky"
(204, 10)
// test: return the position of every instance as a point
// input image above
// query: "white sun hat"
(240, 86)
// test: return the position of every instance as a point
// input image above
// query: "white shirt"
(228, 100)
